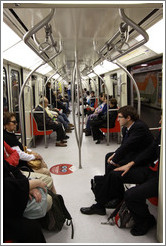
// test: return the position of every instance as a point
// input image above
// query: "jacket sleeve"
(135, 139)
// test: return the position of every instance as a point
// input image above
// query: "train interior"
(90, 45)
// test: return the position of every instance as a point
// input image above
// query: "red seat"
(153, 200)
(37, 132)
(116, 128)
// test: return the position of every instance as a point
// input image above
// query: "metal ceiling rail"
(109, 44)
(32, 32)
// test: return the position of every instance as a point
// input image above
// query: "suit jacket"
(139, 138)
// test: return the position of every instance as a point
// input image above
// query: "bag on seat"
(36, 210)
(57, 215)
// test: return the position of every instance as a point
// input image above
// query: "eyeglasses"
(120, 117)
(14, 121)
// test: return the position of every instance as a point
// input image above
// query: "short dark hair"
(113, 101)
(7, 117)
(129, 111)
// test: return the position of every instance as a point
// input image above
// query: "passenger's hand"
(36, 194)
(124, 168)
(37, 156)
(110, 158)
(34, 183)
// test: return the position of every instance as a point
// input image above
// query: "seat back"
(116, 128)
(37, 132)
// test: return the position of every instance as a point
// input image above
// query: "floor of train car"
(75, 188)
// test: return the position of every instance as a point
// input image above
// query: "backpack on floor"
(121, 216)
(57, 215)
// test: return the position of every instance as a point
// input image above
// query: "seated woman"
(16, 191)
(12, 157)
(101, 109)
(10, 123)
(95, 125)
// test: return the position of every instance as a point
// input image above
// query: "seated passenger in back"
(50, 124)
(101, 121)
(89, 108)
(60, 117)
(136, 138)
(100, 110)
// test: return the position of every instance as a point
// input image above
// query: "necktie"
(126, 135)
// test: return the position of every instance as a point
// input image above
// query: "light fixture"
(156, 37)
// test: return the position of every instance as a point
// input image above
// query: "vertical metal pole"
(20, 102)
(135, 85)
(108, 135)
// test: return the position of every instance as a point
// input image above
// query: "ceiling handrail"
(109, 43)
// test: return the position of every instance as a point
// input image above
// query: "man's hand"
(110, 158)
(125, 168)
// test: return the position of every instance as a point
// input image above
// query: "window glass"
(5, 92)
(15, 85)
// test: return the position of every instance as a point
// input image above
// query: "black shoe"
(93, 210)
(113, 203)
(87, 133)
(66, 137)
(98, 142)
(139, 230)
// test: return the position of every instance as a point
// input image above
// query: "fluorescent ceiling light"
(56, 76)
(9, 37)
(44, 69)
(16, 51)
(105, 67)
(156, 37)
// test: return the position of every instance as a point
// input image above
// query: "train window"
(5, 92)
(15, 85)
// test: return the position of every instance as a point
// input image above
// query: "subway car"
(79, 49)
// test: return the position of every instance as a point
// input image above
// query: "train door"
(5, 91)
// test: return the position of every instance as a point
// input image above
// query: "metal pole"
(135, 85)
(107, 106)
(20, 102)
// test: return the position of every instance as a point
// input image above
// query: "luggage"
(121, 216)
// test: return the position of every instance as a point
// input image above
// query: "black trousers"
(59, 130)
(113, 187)
(135, 199)
(23, 230)
(95, 127)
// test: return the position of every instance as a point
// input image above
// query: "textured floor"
(76, 191)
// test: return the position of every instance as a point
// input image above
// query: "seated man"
(60, 117)
(136, 140)
(50, 124)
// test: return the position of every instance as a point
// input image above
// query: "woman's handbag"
(36, 210)
(34, 164)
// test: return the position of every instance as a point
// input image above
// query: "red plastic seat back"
(116, 128)
(37, 132)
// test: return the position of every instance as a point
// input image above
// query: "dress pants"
(113, 188)
(135, 199)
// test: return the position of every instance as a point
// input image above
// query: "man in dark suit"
(50, 124)
(136, 138)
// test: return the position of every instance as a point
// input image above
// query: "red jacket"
(10, 155)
